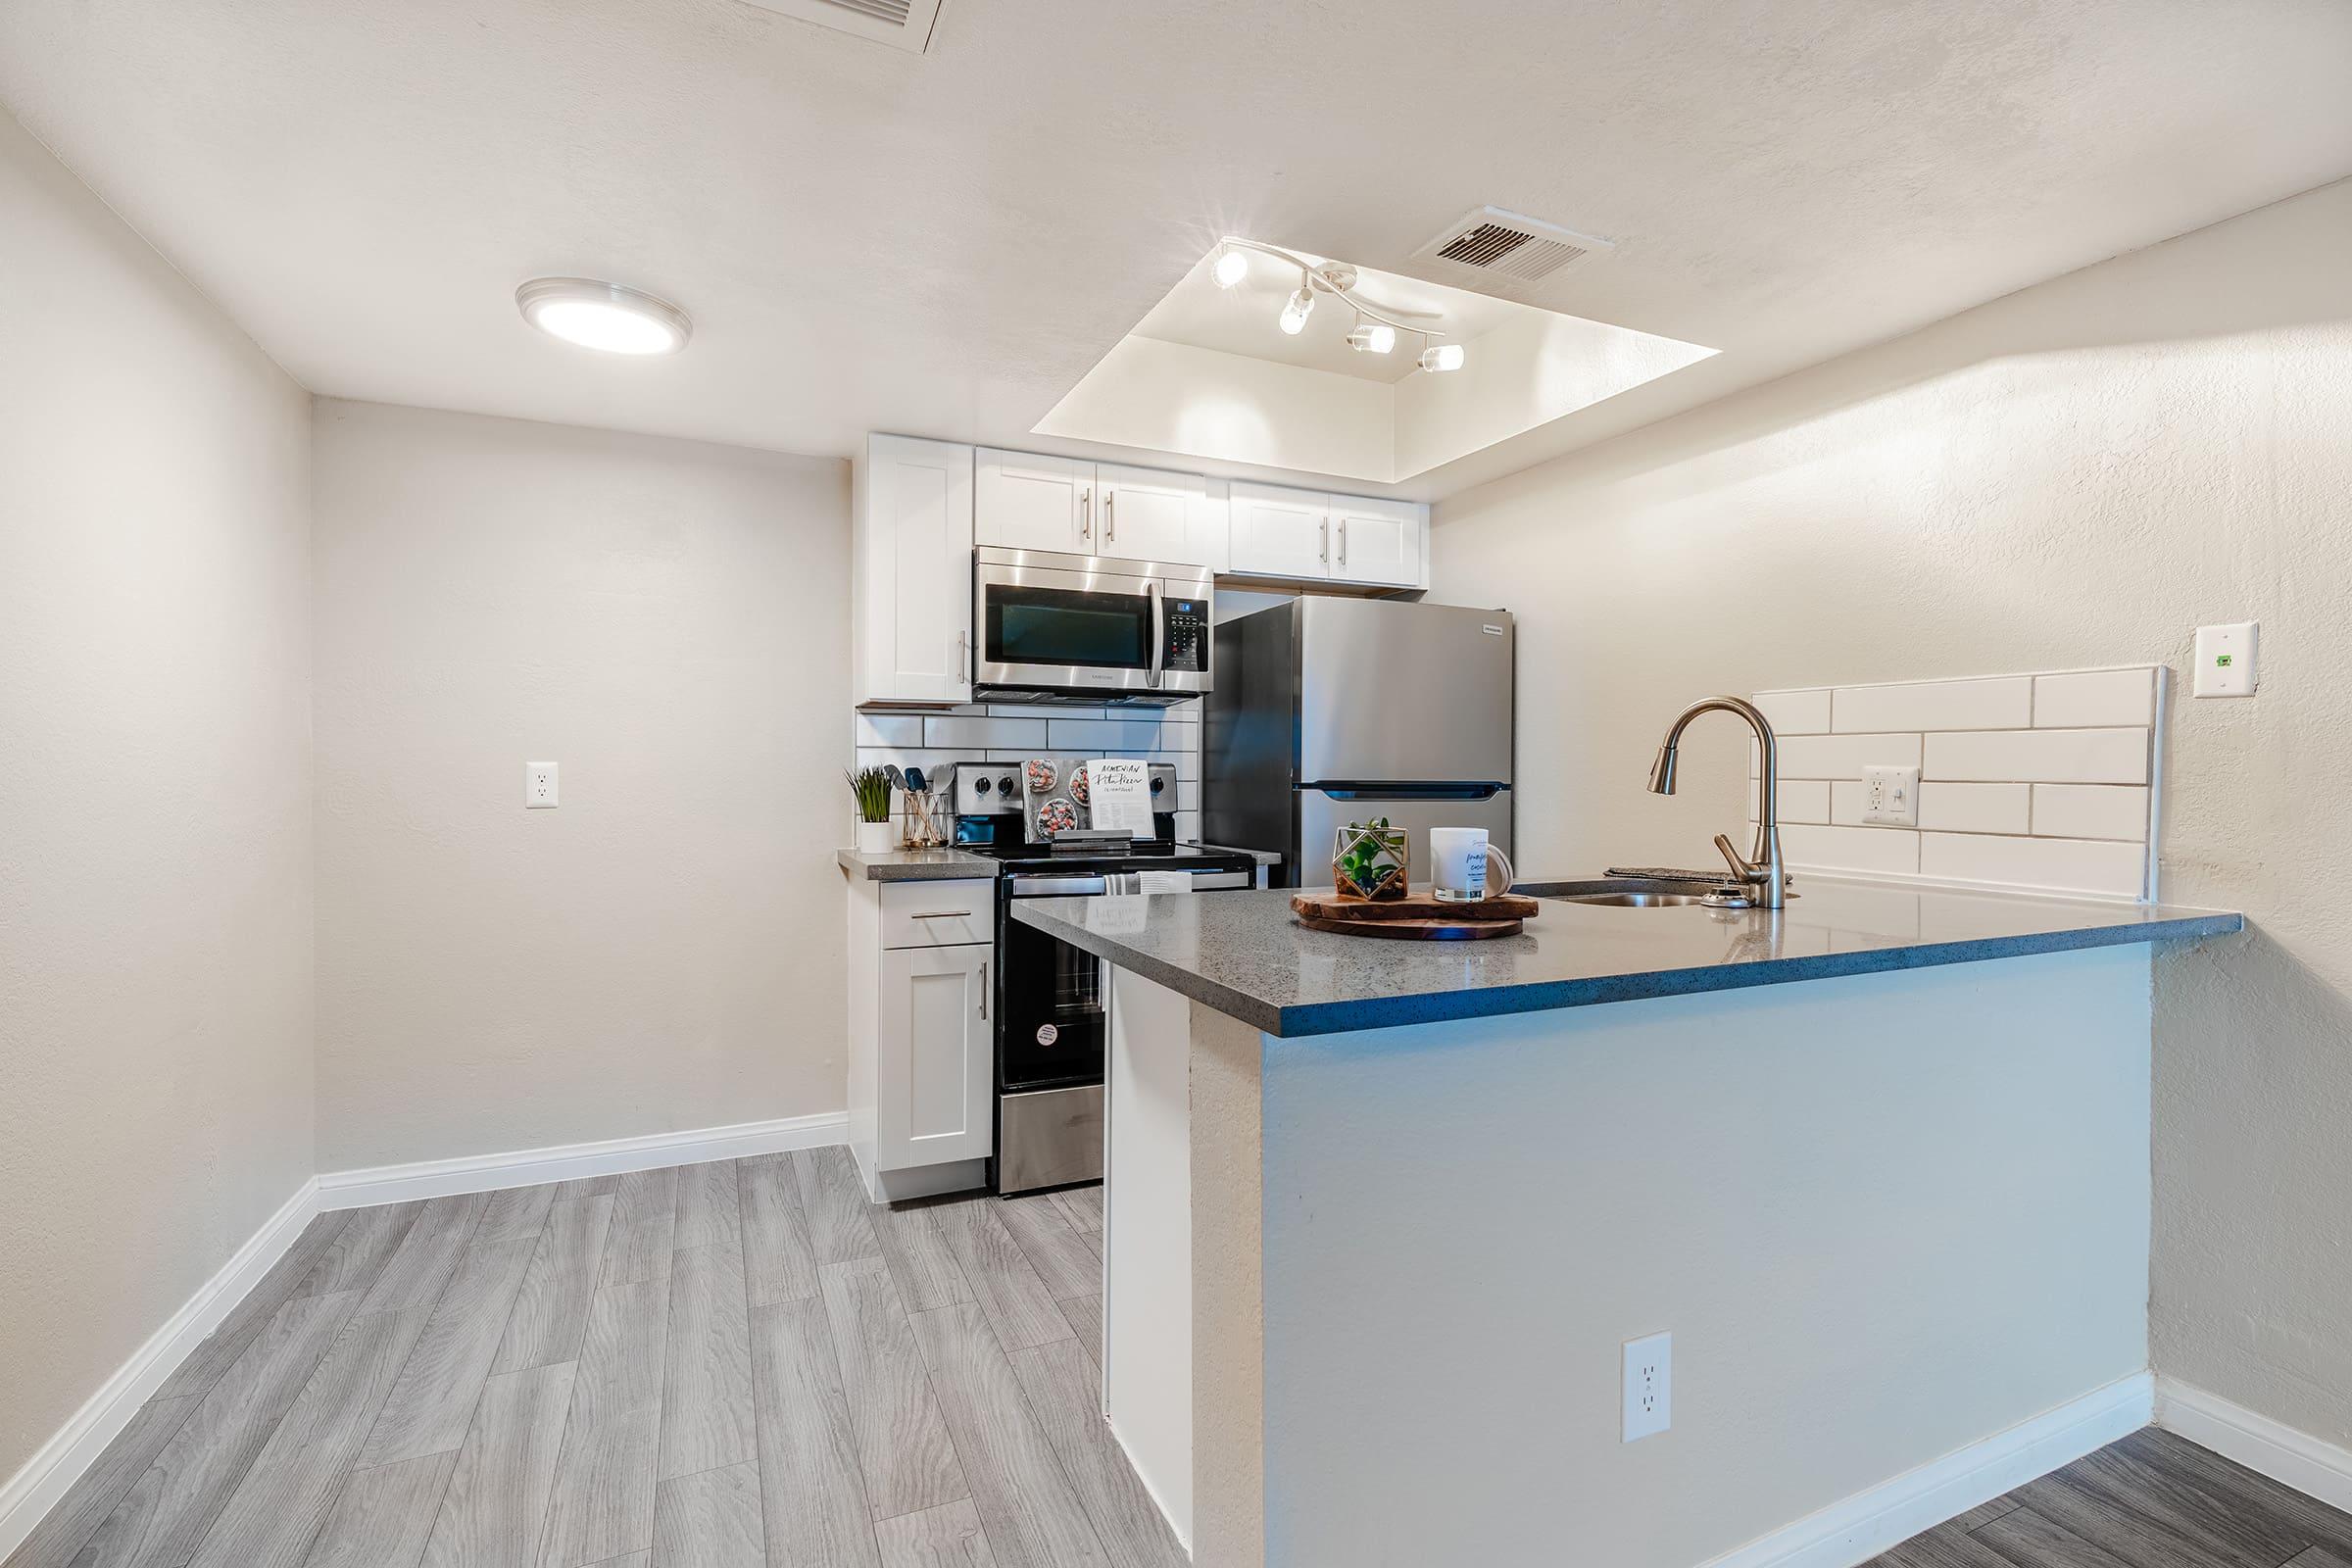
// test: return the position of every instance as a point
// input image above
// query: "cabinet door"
(1149, 516)
(1030, 502)
(913, 593)
(937, 1063)
(1376, 541)
(1280, 534)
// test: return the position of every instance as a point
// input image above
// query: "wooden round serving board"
(1322, 904)
(1417, 930)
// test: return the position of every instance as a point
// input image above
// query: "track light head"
(1230, 268)
(1372, 337)
(1294, 314)
(1442, 357)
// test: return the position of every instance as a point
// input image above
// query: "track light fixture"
(1375, 329)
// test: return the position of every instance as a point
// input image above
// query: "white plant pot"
(877, 838)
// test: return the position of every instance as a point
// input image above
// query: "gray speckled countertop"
(914, 865)
(1244, 953)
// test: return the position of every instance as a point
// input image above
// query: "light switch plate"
(2226, 665)
(538, 785)
(1890, 797)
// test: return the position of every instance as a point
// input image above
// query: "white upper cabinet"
(1312, 535)
(1030, 502)
(1280, 534)
(1377, 541)
(912, 602)
(1150, 516)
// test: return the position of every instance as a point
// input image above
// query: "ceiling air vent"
(1498, 252)
(903, 23)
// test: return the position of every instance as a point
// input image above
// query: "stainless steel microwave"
(1053, 627)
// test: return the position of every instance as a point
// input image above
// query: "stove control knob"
(1157, 785)
(1009, 784)
(980, 786)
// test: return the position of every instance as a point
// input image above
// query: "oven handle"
(1159, 636)
(1056, 887)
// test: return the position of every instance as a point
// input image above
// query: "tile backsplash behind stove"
(1008, 732)
(2044, 783)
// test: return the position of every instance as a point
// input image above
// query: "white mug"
(1457, 865)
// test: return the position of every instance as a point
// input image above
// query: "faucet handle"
(1740, 869)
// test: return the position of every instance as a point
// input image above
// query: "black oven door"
(1052, 1008)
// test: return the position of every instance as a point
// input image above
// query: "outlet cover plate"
(539, 785)
(1648, 1386)
(1890, 797)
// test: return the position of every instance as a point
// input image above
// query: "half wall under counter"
(1383, 1214)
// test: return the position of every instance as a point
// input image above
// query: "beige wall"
(155, 789)
(667, 621)
(2077, 474)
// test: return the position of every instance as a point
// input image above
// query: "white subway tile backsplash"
(2003, 704)
(2091, 811)
(2040, 756)
(889, 729)
(987, 733)
(1802, 712)
(1187, 827)
(1845, 755)
(1070, 736)
(2074, 864)
(2043, 782)
(1803, 800)
(2094, 698)
(1041, 710)
(1187, 797)
(1947, 807)
(1850, 849)
(1186, 764)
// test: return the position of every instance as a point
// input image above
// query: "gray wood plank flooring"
(2152, 1500)
(745, 1365)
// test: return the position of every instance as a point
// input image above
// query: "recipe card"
(1119, 794)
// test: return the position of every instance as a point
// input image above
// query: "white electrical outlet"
(538, 784)
(1648, 1386)
(1890, 796)
(2225, 660)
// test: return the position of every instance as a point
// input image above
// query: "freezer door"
(1320, 816)
(1401, 692)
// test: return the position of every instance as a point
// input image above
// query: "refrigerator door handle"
(1367, 790)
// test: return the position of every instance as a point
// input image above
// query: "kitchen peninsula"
(1382, 1215)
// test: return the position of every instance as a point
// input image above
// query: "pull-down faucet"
(1763, 878)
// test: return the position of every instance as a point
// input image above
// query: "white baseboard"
(534, 1167)
(1869, 1522)
(26, 1497)
(2311, 1465)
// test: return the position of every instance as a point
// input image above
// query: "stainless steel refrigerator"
(1328, 710)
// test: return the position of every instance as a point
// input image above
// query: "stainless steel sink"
(1635, 901)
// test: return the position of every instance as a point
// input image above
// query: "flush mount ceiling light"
(1376, 328)
(603, 316)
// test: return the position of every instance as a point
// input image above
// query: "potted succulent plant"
(869, 787)
(1369, 860)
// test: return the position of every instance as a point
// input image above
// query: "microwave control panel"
(1187, 639)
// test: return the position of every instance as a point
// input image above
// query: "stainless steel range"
(1050, 1000)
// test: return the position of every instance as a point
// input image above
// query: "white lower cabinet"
(922, 1059)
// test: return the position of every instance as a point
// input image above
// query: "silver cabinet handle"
(1323, 548)
(983, 988)
(944, 915)
(1342, 541)
(1110, 515)
(1086, 513)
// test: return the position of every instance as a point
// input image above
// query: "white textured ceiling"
(944, 243)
